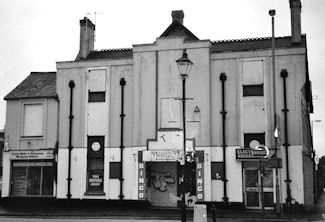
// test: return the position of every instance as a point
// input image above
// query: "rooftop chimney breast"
(178, 15)
(87, 30)
(295, 7)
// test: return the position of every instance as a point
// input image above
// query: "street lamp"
(277, 186)
(184, 67)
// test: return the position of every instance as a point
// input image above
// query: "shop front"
(32, 173)
(259, 179)
(161, 182)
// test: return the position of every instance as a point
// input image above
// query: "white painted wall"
(5, 175)
(296, 174)
(234, 175)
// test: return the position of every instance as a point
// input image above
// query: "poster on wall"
(95, 181)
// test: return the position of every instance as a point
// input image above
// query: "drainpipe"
(71, 86)
(223, 112)
(122, 83)
(284, 75)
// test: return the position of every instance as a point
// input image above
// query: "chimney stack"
(178, 15)
(87, 30)
(295, 7)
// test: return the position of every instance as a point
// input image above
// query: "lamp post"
(277, 188)
(184, 67)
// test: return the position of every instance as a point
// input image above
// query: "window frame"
(22, 118)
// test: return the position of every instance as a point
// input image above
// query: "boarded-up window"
(97, 85)
(33, 120)
(170, 113)
(97, 80)
(253, 72)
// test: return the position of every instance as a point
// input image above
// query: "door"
(253, 188)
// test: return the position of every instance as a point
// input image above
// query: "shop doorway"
(162, 183)
(253, 189)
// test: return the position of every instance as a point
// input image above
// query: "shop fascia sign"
(31, 154)
(259, 152)
(162, 155)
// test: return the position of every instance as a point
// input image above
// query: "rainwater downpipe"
(223, 112)
(122, 83)
(284, 75)
(70, 147)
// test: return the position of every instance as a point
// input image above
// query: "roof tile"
(36, 85)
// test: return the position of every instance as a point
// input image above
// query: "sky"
(35, 34)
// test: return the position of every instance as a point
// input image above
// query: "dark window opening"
(248, 137)
(114, 170)
(96, 96)
(217, 171)
(253, 90)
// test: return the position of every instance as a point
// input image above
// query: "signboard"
(162, 155)
(141, 181)
(31, 154)
(246, 154)
(95, 181)
(200, 178)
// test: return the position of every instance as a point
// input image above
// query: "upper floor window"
(32, 120)
(96, 85)
(253, 90)
(170, 113)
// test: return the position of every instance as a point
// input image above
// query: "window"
(170, 113)
(32, 120)
(97, 85)
(249, 137)
(32, 179)
(96, 96)
(253, 90)
(217, 171)
(95, 164)
(114, 170)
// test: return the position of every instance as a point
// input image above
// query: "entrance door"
(253, 194)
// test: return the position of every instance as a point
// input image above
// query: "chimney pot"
(178, 15)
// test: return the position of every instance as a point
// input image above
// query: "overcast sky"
(37, 33)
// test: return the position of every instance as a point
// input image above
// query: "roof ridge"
(112, 50)
(50, 72)
(247, 39)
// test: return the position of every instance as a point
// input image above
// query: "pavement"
(150, 214)
(137, 212)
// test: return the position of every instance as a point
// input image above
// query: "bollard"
(200, 213)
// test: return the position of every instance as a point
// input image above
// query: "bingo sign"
(142, 181)
(200, 180)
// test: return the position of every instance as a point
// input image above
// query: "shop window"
(249, 137)
(253, 90)
(32, 179)
(95, 164)
(32, 120)
(114, 170)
